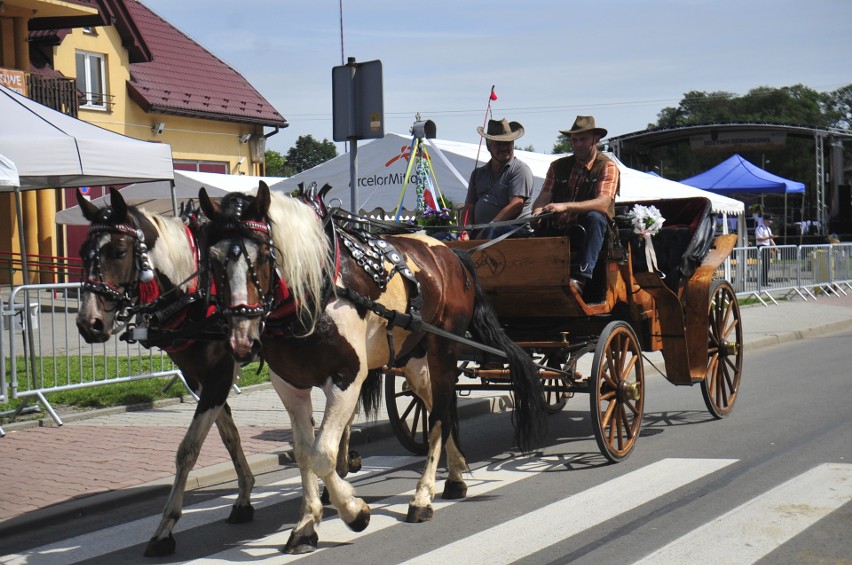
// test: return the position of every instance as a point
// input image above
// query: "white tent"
(156, 196)
(382, 164)
(51, 149)
(8, 174)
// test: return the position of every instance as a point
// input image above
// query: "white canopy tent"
(51, 149)
(8, 174)
(382, 165)
(156, 196)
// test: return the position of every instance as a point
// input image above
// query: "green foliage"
(562, 145)
(276, 164)
(308, 153)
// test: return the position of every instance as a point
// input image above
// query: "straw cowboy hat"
(583, 124)
(504, 130)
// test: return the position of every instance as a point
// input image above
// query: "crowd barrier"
(41, 350)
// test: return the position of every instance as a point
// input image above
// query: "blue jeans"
(595, 225)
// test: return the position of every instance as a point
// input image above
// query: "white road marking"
(752, 530)
(569, 516)
(101, 542)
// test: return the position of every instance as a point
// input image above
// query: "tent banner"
(738, 141)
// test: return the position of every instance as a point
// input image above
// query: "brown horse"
(357, 304)
(129, 251)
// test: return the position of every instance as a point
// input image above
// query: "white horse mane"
(303, 253)
(171, 255)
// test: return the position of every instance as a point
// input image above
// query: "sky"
(549, 60)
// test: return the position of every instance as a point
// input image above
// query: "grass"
(138, 392)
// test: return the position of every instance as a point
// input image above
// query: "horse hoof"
(241, 514)
(325, 498)
(417, 515)
(361, 521)
(454, 490)
(354, 461)
(160, 547)
(298, 545)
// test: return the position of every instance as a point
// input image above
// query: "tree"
(562, 145)
(276, 164)
(838, 107)
(308, 152)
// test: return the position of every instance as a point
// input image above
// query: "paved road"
(51, 473)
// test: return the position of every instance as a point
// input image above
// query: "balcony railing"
(57, 93)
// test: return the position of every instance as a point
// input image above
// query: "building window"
(91, 80)
(201, 166)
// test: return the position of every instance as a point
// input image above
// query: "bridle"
(246, 229)
(123, 294)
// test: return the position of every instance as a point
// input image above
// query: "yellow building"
(118, 65)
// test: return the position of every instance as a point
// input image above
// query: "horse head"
(242, 262)
(115, 260)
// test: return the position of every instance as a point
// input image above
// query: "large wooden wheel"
(617, 391)
(724, 351)
(556, 393)
(407, 414)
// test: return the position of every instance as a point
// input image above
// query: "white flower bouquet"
(647, 221)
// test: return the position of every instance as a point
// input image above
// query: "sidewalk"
(106, 456)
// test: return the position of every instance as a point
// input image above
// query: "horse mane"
(303, 253)
(169, 254)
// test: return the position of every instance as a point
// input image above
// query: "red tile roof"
(183, 78)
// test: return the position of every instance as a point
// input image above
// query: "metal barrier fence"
(806, 270)
(41, 350)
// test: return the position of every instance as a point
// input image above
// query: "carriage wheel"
(558, 395)
(725, 351)
(408, 416)
(617, 390)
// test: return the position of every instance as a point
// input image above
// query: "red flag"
(493, 96)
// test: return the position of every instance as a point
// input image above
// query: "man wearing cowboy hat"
(581, 189)
(501, 189)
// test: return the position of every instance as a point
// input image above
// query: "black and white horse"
(350, 295)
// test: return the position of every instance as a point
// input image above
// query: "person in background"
(764, 239)
(501, 189)
(581, 189)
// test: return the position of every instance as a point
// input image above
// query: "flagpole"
(491, 97)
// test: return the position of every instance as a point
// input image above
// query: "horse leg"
(242, 512)
(303, 538)
(347, 461)
(339, 411)
(455, 487)
(163, 543)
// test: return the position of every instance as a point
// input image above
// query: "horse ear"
(210, 208)
(118, 205)
(89, 210)
(262, 200)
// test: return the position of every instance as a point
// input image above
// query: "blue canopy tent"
(736, 175)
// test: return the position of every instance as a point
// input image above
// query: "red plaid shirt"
(607, 183)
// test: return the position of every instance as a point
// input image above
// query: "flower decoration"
(646, 220)
(430, 217)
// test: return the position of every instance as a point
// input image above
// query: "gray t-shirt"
(493, 193)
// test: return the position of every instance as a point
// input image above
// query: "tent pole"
(174, 198)
(21, 237)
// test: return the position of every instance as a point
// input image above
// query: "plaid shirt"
(607, 183)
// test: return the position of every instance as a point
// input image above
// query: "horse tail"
(529, 415)
(371, 394)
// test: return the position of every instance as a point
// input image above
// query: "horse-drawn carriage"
(629, 307)
(334, 308)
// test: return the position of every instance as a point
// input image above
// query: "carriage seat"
(682, 243)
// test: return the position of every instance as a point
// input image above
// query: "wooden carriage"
(681, 309)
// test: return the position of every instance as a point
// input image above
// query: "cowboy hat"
(582, 124)
(504, 130)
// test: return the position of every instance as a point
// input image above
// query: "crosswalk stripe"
(115, 538)
(596, 505)
(752, 530)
